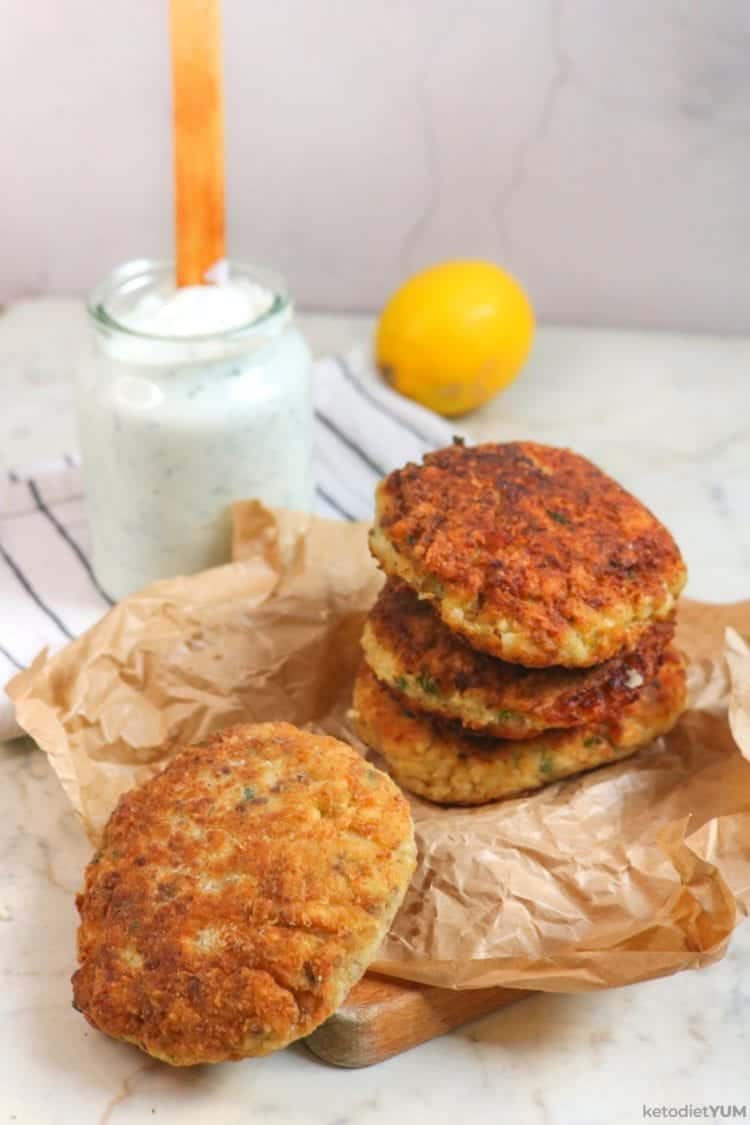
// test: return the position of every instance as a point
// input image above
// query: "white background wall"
(600, 149)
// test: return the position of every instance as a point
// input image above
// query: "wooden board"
(382, 1017)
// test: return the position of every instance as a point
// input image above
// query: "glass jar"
(173, 429)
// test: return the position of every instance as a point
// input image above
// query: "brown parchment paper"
(629, 872)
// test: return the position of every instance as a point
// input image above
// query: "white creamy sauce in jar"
(199, 310)
(182, 411)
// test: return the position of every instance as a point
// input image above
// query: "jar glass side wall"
(167, 447)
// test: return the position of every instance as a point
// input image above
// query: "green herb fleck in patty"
(546, 763)
(428, 685)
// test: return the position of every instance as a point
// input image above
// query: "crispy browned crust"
(530, 552)
(409, 649)
(239, 894)
(444, 763)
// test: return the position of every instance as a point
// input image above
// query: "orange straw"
(198, 137)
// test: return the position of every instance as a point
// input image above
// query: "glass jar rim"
(130, 275)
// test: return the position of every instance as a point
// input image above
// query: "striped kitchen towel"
(48, 591)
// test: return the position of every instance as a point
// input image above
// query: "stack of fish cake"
(525, 630)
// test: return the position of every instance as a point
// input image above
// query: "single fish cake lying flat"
(410, 650)
(530, 552)
(442, 762)
(239, 895)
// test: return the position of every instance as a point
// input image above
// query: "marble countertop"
(668, 415)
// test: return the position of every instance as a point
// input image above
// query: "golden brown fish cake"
(413, 653)
(444, 763)
(239, 895)
(530, 552)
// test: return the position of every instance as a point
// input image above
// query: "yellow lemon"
(454, 335)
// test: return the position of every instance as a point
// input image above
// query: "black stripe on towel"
(23, 580)
(74, 496)
(350, 377)
(329, 500)
(347, 441)
(10, 658)
(65, 534)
